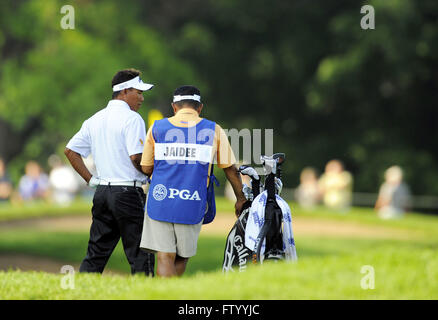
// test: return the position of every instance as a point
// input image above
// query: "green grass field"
(400, 275)
(42, 209)
(403, 256)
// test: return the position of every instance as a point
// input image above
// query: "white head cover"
(135, 83)
(187, 97)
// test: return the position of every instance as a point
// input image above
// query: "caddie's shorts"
(181, 239)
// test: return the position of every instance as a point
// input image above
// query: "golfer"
(179, 152)
(115, 136)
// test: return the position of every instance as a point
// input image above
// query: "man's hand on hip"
(94, 182)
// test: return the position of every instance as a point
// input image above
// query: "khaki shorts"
(181, 239)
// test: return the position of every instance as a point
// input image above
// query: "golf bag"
(236, 254)
(268, 232)
(264, 228)
(262, 231)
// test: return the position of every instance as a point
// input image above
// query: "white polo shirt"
(111, 136)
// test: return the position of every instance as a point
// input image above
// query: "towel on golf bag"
(236, 254)
(256, 220)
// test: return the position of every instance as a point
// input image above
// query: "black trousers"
(118, 212)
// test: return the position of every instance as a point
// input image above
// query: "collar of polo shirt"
(117, 103)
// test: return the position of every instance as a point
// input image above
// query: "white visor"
(135, 83)
(191, 97)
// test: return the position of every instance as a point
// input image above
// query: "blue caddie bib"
(178, 189)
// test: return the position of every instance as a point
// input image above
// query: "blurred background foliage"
(304, 68)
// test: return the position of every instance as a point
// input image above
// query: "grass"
(397, 276)
(329, 266)
(42, 209)
(70, 248)
(412, 221)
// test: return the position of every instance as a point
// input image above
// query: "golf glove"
(278, 185)
(247, 191)
(94, 182)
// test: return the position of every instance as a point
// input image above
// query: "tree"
(52, 79)
(328, 88)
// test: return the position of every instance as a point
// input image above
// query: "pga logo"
(160, 192)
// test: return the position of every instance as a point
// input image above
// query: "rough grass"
(398, 275)
(329, 266)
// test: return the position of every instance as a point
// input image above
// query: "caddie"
(179, 153)
(115, 136)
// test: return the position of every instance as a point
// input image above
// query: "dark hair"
(187, 91)
(123, 76)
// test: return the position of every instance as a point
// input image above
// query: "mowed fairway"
(338, 255)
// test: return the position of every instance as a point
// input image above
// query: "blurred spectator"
(394, 197)
(34, 184)
(63, 180)
(336, 186)
(308, 194)
(5, 183)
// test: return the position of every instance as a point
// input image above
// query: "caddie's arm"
(147, 158)
(78, 164)
(147, 170)
(235, 180)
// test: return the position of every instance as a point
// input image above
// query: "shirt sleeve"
(148, 156)
(224, 154)
(81, 141)
(135, 135)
